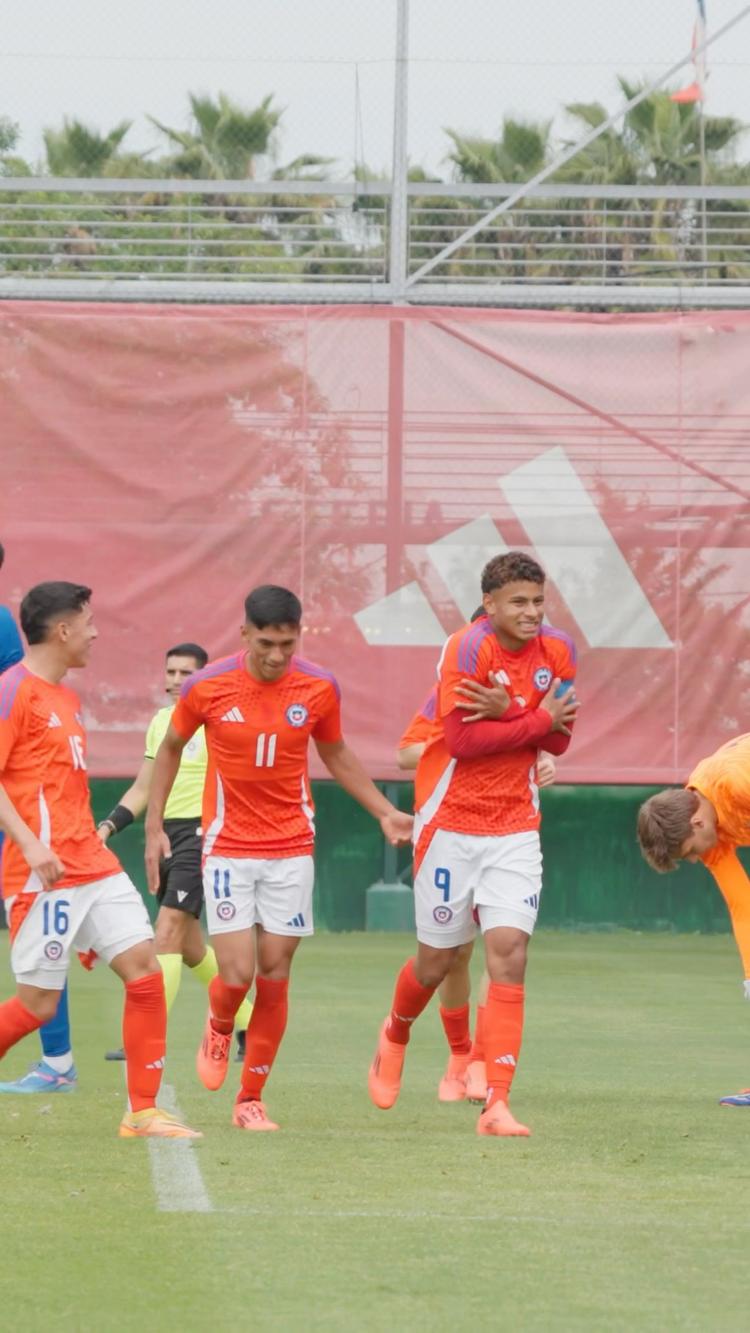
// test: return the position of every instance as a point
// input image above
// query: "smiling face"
(515, 612)
(75, 633)
(269, 650)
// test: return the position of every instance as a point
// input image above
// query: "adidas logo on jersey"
(54, 720)
(234, 715)
(298, 921)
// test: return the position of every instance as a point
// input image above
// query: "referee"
(179, 938)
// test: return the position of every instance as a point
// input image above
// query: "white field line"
(178, 1182)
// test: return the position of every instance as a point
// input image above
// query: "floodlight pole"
(399, 218)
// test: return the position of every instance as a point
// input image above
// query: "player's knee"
(433, 965)
(43, 1004)
(171, 931)
(138, 961)
(506, 955)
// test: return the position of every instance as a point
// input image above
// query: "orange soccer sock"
(503, 1030)
(224, 1001)
(264, 1032)
(144, 1037)
(456, 1028)
(16, 1021)
(477, 1046)
(409, 999)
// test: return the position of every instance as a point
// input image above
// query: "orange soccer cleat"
(384, 1078)
(497, 1119)
(251, 1115)
(212, 1060)
(153, 1123)
(452, 1086)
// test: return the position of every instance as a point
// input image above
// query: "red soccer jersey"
(256, 801)
(497, 793)
(43, 771)
(424, 725)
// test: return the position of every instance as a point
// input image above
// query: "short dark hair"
(47, 602)
(513, 567)
(193, 650)
(664, 825)
(477, 615)
(271, 605)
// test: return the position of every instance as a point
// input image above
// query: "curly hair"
(513, 567)
(663, 826)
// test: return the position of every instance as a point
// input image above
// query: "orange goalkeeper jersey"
(256, 801)
(724, 779)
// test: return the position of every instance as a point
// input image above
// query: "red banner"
(373, 460)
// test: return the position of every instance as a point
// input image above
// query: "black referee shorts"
(180, 875)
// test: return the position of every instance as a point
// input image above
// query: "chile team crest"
(296, 715)
(542, 678)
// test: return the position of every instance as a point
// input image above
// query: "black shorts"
(181, 875)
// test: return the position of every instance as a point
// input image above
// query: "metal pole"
(395, 492)
(399, 229)
(572, 151)
(704, 221)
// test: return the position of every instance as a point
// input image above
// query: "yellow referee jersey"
(186, 797)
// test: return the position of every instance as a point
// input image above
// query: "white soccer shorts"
(107, 915)
(500, 876)
(241, 892)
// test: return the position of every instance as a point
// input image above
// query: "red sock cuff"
(268, 991)
(507, 994)
(147, 991)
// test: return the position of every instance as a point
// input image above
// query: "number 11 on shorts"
(443, 882)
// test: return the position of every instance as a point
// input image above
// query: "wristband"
(118, 819)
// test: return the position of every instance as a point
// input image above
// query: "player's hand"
(746, 987)
(157, 849)
(397, 827)
(482, 701)
(44, 863)
(545, 770)
(104, 831)
(562, 710)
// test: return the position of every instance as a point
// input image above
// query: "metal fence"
(282, 241)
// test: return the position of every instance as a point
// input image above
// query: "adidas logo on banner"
(234, 715)
(298, 921)
(54, 720)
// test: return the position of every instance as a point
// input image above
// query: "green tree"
(519, 153)
(77, 150)
(224, 140)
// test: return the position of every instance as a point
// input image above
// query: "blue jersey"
(11, 648)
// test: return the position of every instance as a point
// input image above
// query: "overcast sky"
(329, 63)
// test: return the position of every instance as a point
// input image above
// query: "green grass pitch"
(627, 1210)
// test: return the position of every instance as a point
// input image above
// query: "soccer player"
(55, 1072)
(260, 708)
(63, 888)
(707, 821)
(179, 938)
(477, 821)
(465, 1075)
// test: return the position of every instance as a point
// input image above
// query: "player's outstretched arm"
(38, 857)
(732, 879)
(343, 765)
(133, 802)
(163, 774)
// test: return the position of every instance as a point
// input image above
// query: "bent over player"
(477, 824)
(260, 708)
(707, 821)
(63, 888)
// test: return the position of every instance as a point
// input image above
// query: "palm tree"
(519, 152)
(76, 150)
(225, 139)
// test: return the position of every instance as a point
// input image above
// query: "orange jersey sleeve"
(732, 879)
(724, 779)
(43, 751)
(256, 800)
(423, 725)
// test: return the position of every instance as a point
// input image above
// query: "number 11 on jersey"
(265, 750)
